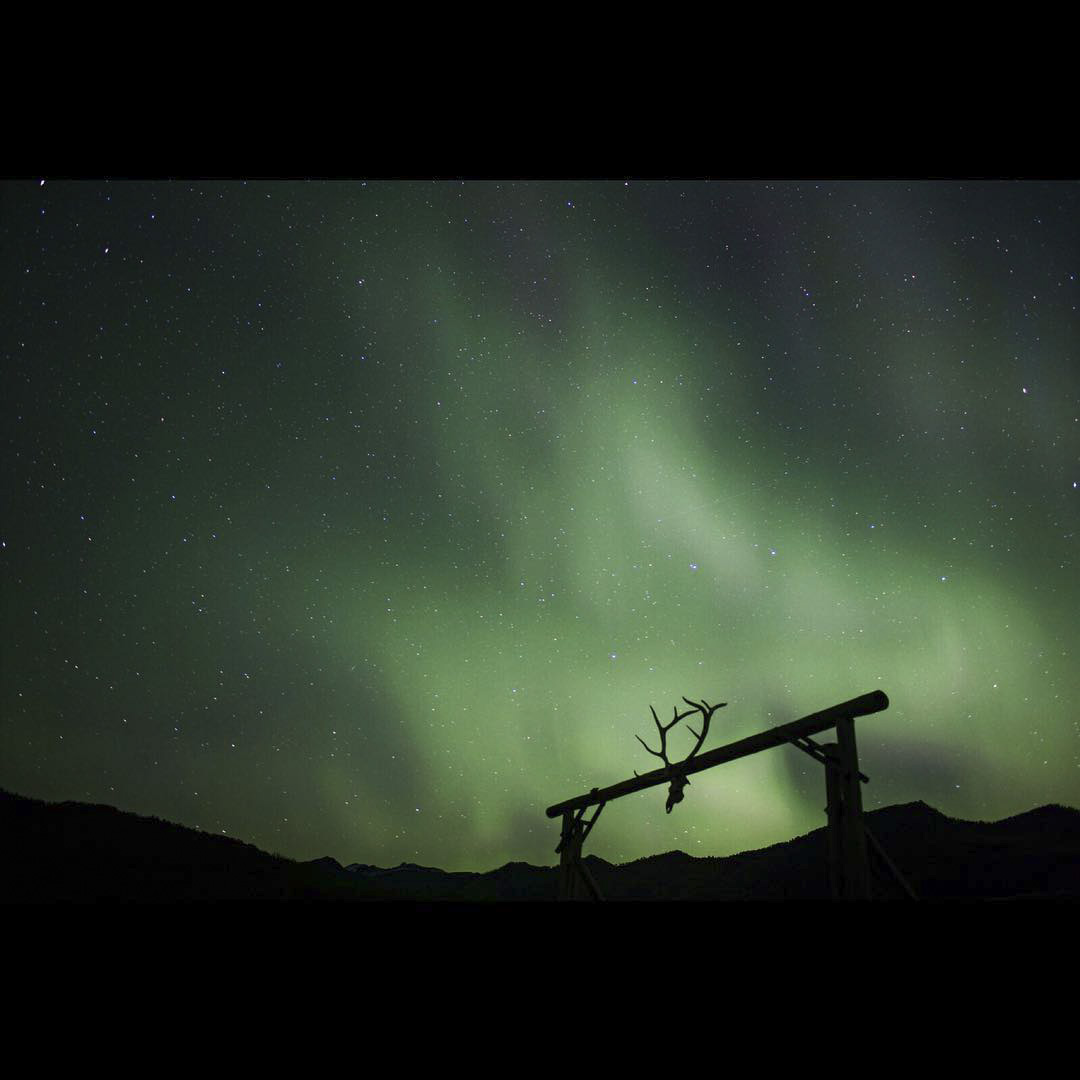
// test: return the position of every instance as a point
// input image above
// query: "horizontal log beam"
(763, 740)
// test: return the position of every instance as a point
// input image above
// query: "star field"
(368, 519)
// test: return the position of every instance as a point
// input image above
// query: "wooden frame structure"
(850, 842)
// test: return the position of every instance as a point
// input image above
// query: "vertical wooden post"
(575, 880)
(567, 857)
(835, 811)
(856, 863)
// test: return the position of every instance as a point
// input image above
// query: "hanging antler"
(680, 780)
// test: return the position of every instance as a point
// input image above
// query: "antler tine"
(663, 729)
(700, 738)
(662, 753)
(646, 745)
(706, 711)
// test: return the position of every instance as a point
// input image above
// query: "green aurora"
(368, 519)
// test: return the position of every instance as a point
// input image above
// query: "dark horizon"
(75, 852)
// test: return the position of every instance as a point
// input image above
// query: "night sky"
(368, 519)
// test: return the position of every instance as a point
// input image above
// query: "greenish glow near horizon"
(505, 465)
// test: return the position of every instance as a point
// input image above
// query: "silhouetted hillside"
(78, 852)
(1033, 854)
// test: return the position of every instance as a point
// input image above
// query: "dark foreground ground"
(74, 853)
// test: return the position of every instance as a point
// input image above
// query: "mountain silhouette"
(78, 852)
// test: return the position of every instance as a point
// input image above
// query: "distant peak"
(1041, 814)
(595, 860)
(675, 855)
(911, 809)
(416, 866)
